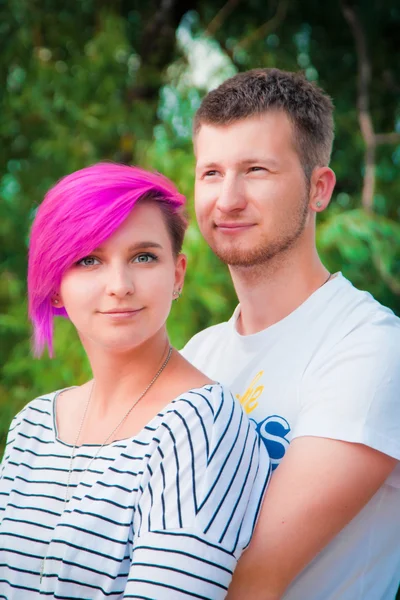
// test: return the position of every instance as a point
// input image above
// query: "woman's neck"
(120, 376)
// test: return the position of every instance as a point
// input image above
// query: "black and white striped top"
(163, 515)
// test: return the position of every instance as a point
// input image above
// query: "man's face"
(251, 197)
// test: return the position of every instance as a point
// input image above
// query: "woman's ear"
(180, 270)
(56, 301)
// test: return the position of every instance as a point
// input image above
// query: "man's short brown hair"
(260, 90)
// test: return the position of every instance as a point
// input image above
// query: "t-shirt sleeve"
(201, 492)
(352, 392)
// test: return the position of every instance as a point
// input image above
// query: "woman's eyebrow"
(139, 245)
(143, 245)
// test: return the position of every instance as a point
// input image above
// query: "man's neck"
(270, 292)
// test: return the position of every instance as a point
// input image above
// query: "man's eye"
(255, 169)
(210, 173)
(88, 261)
(147, 257)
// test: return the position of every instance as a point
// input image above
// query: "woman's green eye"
(145, 258)
(88, 261)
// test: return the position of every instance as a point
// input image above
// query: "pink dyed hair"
(76, 216)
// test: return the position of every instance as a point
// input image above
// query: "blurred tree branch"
(387, 138)
(157, 46)
(267, 27)
(371, 139)
(220, 17)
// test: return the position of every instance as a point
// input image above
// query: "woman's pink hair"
(76, 216)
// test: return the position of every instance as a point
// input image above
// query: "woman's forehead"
(144, 227)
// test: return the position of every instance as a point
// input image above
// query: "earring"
(55, 301)
(318, 204)
(176, 294)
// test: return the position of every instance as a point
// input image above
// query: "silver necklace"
(70, 470)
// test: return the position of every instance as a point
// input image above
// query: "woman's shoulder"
(211, 399)
(36, 413)
(33, 422)
(41, 405)
(209, 411)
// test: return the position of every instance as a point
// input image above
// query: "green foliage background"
(121, 80)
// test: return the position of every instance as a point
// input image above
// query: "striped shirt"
(163, 515)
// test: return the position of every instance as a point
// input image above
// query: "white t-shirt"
(329, 369)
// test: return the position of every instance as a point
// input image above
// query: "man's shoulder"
(205, 340)
(358, 338)
(357, 313)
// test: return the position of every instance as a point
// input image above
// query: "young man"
(315, 362)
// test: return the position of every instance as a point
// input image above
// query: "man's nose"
(231, 195)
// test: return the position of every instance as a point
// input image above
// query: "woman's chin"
(111, 345)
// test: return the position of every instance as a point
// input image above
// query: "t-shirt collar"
(325, 291)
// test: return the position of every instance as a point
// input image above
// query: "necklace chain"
(156, 376)
(70, 470)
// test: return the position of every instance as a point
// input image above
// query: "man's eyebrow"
(259, 161)
(247, 161)
(138, 246)
(211, 165)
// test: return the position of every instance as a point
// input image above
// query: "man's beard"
(266, 250)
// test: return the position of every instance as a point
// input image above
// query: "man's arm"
(318, 488)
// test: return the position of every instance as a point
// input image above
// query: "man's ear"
(322, 183)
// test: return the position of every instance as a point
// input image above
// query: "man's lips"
(233, 227)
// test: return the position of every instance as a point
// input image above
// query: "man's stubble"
(267, 252)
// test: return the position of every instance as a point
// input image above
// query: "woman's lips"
(121, 313)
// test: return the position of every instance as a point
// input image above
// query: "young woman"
(146, 481)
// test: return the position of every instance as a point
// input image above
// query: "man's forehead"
(260, 137)
(273, 115)
(210, 138)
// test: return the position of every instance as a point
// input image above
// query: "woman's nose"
(119, 282)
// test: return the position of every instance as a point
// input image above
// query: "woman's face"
(120, 295)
